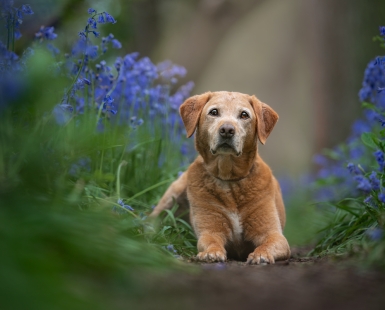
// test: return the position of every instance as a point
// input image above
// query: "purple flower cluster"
(129, 93)
(12, 66)
(13, 18)
(134, 90)
(339, 181)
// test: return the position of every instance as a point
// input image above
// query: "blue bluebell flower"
(116, 44)
(92, 51)
(118, 63)
(320, 160)
(109, 18)
(46, 33)
(363, 183)
(128, 207)
(353, 169)
(374, 181)
(135, 122)
(380, 159)
(382, 30)
(360, 126)
(139, 122)
(82, 35)
(26, 8)
(184, 149)
(356, 151)
(375, 234)
(368, 200)
(87, 81)
(171, 248)
(380, 89)
(382, 122)
(49, 33)
(381, 197)
(108, 100)
(379, 60)
(101, 19)
(91, 11)
(108, 106)
(8, 57)
(92, 23)
(364, 93)
(371, 116)
(17, 34)
(130, 59)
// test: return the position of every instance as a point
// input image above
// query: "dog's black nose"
(227, 130)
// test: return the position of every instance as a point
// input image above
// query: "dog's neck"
(230, 167)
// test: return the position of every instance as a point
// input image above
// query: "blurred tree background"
(304, 58)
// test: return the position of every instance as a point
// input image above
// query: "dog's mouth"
(225, 148)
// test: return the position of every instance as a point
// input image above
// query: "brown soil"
(298, 283)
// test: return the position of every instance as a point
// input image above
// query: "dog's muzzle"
(225, 141)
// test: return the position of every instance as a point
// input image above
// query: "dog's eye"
(214, 112)
(244, 115)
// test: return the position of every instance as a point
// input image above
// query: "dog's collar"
(231, 180)
(236, 179)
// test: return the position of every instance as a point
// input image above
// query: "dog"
(236, 206)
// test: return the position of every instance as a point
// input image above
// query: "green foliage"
(357, 223)
(60, 235)
(66, 242)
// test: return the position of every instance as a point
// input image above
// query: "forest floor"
(298, 283)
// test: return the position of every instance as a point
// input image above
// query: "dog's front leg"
(272, 247)
(264, 230)
(211, 247)
(212, 230)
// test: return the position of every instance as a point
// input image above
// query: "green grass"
(65, 241)
(303, 221)
(345, 234)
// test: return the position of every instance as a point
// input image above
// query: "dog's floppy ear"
(266, 118)
(190, 111)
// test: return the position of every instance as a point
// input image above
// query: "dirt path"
(299, 283)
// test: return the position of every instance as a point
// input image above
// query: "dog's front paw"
(260, 256)
(211, 256)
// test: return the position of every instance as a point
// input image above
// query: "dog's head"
(227, 122)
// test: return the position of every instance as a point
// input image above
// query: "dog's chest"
(233, 194)
(232, 198)
(236, 225)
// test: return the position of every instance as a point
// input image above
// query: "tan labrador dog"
(236, 207)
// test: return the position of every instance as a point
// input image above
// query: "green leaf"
(370, 106)
(370, 140)
(347, 209)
